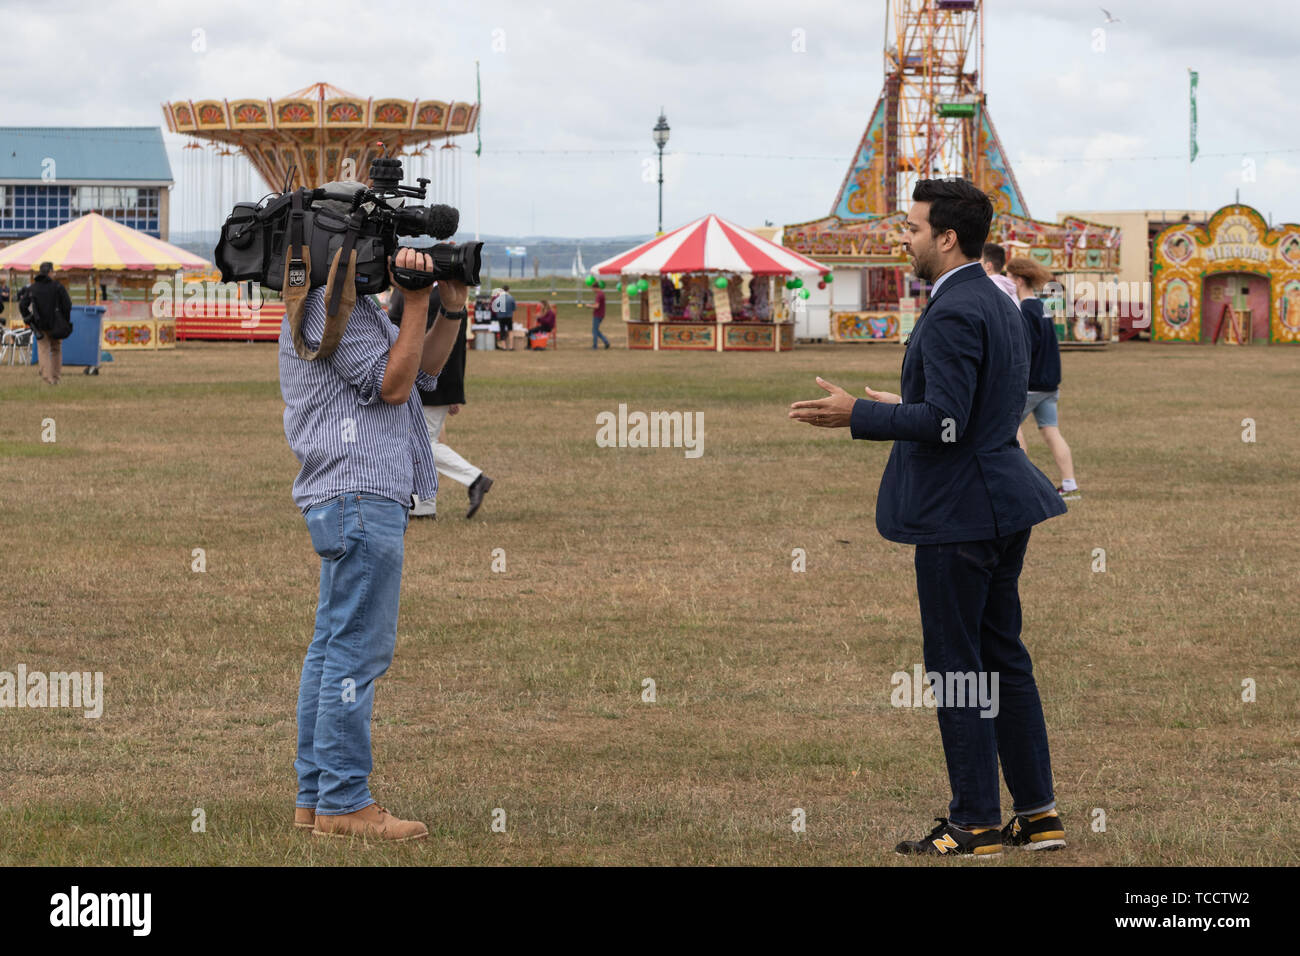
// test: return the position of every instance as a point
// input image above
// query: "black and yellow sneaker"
(948, 840)
(1041, 831)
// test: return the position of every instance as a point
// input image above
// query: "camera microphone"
(441, 222)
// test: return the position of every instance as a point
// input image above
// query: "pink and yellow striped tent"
(93, 243)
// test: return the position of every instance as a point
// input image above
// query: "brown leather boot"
(304, 818)
(372, 823)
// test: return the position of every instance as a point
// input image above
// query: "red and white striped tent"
(709, 244)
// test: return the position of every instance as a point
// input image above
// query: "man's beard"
(922, 269)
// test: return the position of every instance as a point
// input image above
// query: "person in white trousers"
(445, 400)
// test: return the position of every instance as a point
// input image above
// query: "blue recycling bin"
(82, 347)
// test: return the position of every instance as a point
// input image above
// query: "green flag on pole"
(478, 122)
(1192, 150)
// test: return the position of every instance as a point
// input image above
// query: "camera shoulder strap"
(338, 284)
(341, 286)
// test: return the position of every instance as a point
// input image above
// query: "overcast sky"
(592, 76)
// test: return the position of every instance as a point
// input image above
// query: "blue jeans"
(360, 540)
(970, 618)
(1043, 405)
(595, 331)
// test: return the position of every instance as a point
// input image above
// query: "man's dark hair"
(957, 204)
(997, 256)
(47, 268)
(505, 288)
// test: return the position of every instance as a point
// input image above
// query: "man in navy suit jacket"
(959, 487)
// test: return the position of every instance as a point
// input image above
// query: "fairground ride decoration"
(319, 129)
(931, 120)
(1235, 280)
(932, 117)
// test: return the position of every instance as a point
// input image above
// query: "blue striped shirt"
(346, 436)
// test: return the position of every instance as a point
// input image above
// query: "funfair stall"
(710, 286)
(103, 262)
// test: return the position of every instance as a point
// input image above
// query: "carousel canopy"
(318, 127)
(94, 243)
(709, 244)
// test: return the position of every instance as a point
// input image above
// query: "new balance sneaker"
(1045, 833)
(948, 840)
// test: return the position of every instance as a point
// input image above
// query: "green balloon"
(618, 287)
(590, 281)
(720, 282)
(798, 283)
(600, 283)
(804, 293)
(828, 277)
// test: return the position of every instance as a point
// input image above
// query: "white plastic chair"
(16, 342)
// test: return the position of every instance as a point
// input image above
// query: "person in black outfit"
(47, 308)
(1044, 370)
(446, 399)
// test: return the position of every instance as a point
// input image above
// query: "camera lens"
(458, 263)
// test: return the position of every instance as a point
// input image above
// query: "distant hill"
(553, 254)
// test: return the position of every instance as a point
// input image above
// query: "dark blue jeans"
(970, 618)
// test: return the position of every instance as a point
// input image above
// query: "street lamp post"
(661, 140)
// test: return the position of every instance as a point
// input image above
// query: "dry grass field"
(522, 690)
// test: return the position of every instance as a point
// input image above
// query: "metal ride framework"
(931, 119)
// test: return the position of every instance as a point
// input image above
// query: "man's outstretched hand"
(833, 411)
(836, 409)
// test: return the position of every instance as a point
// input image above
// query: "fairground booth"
(1234, 280)
(103, 262)
(710, 286)
(875, 298)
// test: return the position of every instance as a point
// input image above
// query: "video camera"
(258, 239)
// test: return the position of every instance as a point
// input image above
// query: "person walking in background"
(597, 316)
(443, 400)
(46, 306)
(545, 326)
(503, 307)
(995, 264)
(1044, 370)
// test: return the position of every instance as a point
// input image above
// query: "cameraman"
(355, 422)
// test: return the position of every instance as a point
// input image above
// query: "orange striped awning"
(95, 243)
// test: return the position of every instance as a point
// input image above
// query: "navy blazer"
(955, 472)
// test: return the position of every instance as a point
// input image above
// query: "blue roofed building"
(52, 174)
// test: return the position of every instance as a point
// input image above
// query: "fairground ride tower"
(932, 117)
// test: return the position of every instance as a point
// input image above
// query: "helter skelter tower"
(932, 117)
